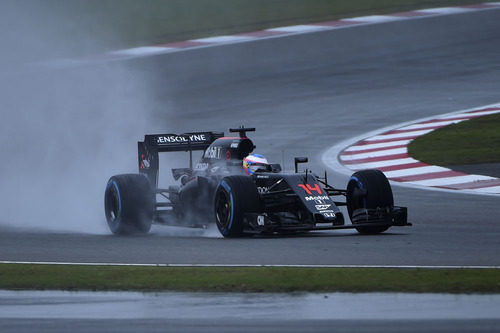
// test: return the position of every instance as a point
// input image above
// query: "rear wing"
(158, 143)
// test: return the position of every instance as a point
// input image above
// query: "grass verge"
(469, 142)
(248, 279)
(97, 25)
(161, 21)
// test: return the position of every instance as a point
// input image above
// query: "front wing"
(390, 217)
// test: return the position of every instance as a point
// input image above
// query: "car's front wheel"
(369, 189)
(235, 196)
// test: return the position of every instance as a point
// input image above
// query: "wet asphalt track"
(305, 93)
(50, 311)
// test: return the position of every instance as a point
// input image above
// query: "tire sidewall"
(112, 199)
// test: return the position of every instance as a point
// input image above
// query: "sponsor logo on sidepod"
(262, 189)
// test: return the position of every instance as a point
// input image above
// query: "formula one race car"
(242, 193)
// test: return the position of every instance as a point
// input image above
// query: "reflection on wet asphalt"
(317, 306)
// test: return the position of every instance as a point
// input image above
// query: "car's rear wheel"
(369, 189)
(129, 204)
(235, 196)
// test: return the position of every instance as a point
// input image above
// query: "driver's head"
(254, 162)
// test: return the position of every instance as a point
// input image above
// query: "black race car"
(217, 190)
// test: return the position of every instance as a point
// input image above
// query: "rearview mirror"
(299, 160)
(275, 167)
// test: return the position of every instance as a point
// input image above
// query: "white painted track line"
(435, 124)
(248, 265)
(373, 19)
(223, 39)
(381, 164)
(415, 171)
(374, 154)
(142, 51)
(444, 10)
(377, 145)
(492, 189)
(475, 114)
(451, 180)
(299, 28)
(399, 135)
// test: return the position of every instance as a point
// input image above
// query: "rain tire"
(378, 194)
(235, 196)
(129, 204)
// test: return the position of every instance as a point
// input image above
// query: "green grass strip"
(127, 23)
(468, 142)
(247, 279)
(179, 20)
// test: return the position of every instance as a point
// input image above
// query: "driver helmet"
(254, 162)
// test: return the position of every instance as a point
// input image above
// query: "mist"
(64, 131)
